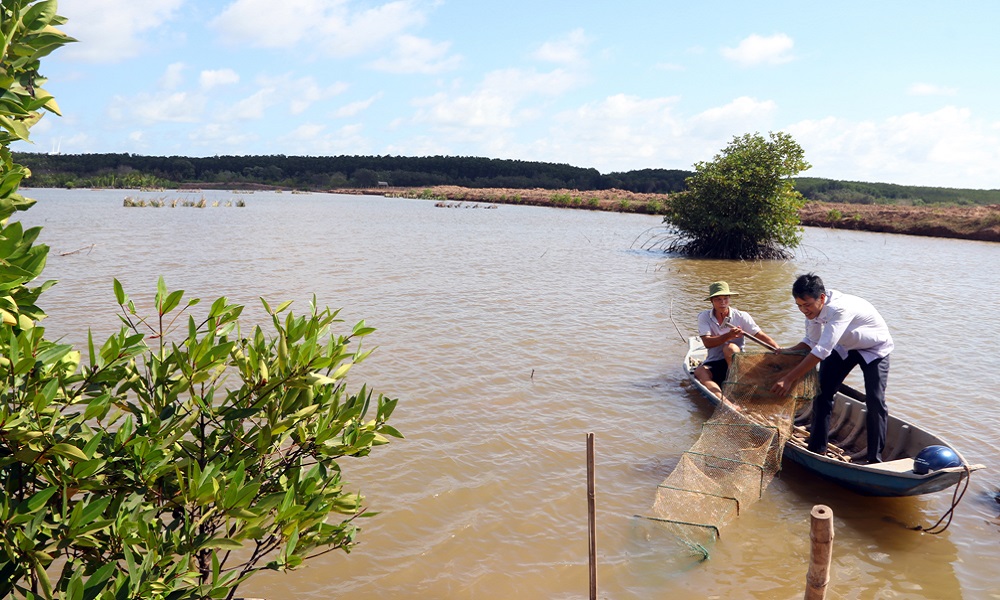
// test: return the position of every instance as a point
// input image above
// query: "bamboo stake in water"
(821, 552)
(591, 516)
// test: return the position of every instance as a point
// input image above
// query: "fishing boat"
(895, 476)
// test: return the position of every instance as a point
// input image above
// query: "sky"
(904, 92)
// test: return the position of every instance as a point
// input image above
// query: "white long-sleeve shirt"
(845, 323)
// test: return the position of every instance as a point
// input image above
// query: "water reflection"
(764, 288)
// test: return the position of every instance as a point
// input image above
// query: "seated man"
(723, 338)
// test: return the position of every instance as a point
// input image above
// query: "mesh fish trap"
(738, 452)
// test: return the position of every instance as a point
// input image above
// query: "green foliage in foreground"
(743, 204)
(180, 456)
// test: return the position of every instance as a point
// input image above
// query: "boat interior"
(848, 438)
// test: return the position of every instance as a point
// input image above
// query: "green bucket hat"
(719, 288)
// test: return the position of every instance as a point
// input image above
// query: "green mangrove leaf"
(305, 412)
(120, 296)
(319, 379)
(361, 330)
(341, 370)
(38, 16)
(69, 451)
(390, 430)
(171, 301)
(36, 501)
(221, 544)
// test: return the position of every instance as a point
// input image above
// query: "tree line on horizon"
(334, 172)
(325, 173)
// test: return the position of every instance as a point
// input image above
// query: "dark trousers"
(832, 372)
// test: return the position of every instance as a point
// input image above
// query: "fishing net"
(737, 454)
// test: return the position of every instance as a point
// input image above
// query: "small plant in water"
(131, 202)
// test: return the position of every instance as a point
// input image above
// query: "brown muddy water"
(509, 333)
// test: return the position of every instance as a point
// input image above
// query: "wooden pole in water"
(592, 516)
(821, 552)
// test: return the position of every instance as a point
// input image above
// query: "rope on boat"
(956, 498)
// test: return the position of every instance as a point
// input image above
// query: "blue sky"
(889, 91)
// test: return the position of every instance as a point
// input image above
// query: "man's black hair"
(808, 286)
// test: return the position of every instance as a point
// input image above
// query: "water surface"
(509, 333)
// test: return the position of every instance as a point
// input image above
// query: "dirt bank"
(611, 200)
(965, 222)
(961, 222)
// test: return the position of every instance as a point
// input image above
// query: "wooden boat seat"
(900, 465)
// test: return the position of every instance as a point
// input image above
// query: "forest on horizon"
(330, 173)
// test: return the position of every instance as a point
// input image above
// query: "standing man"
(723, 338)
(842, 331)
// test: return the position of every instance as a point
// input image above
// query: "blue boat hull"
(870, 480)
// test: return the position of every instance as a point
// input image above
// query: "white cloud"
(417, 55)
(497, 102)
(300, 93)
(742, 115)
(173, 77)
(524, 82)
(212, 78)
(617, 133)
(221, 138)
(478, 109)
(758, 50)
(309, 139)
(947, 147)
(565, 50)
(170, 107)
(332, 27)
(420, 146)
(262, 24)
(309, 92)
(81, 141)
(308, 131)
(112, 30)
(42, 126)
(370, 28)
(353, 108)
(252, 108)
(927, 89)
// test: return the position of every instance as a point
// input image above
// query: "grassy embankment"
(960, 222)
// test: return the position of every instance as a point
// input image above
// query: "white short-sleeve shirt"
(709, 325)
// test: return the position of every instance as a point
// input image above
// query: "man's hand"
(782, 387)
